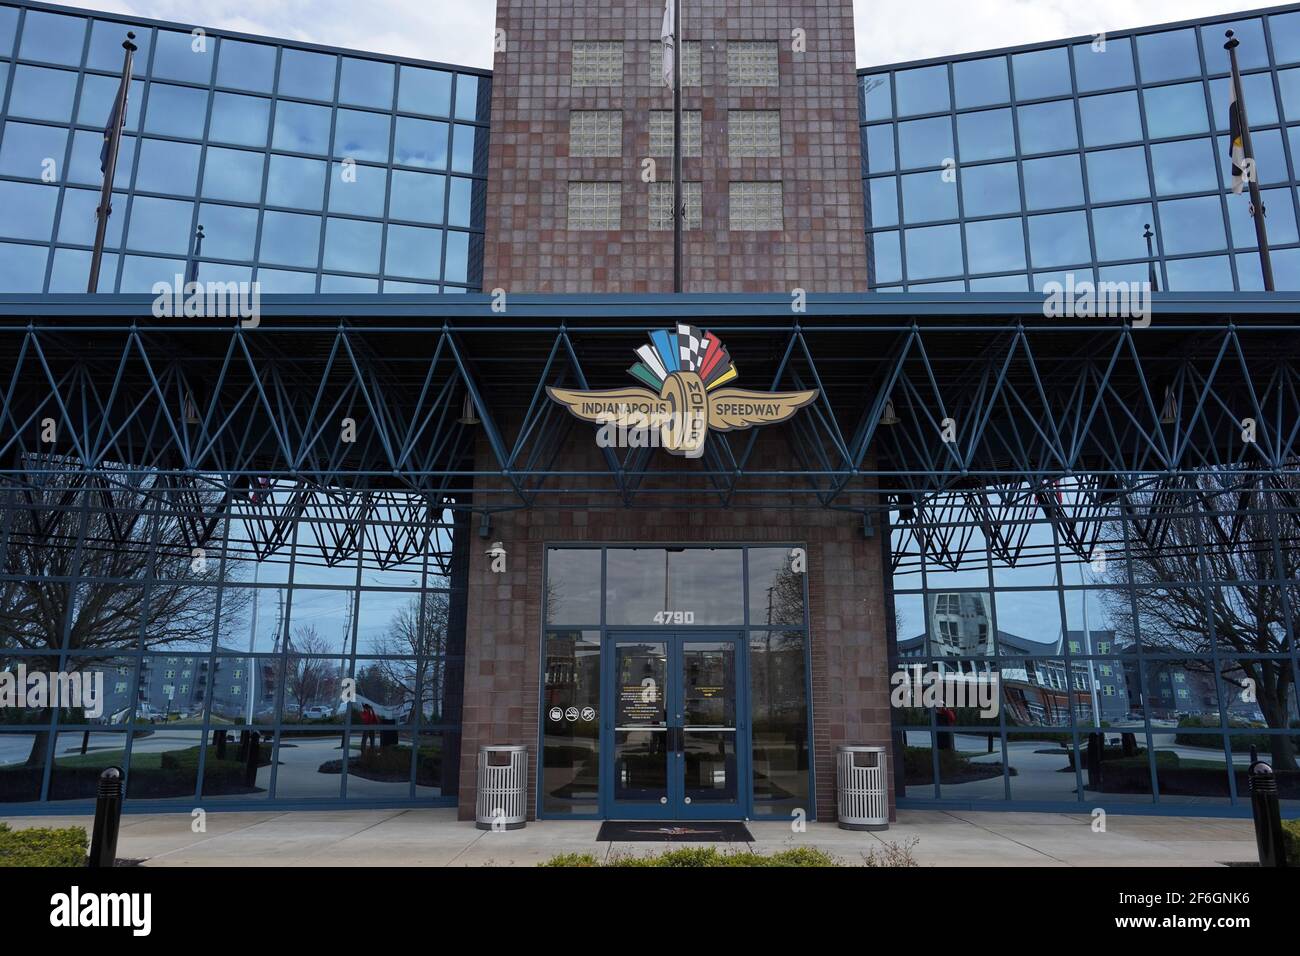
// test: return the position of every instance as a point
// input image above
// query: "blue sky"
(460, 31)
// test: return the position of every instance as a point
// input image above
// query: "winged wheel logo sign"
(688, 373)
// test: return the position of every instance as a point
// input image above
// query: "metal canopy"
(991, 402)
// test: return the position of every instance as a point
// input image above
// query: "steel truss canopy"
(414, 405)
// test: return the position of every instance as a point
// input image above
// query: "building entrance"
(674, 730)
(675, 683)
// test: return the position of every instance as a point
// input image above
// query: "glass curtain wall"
(1159, 628)
(309, 169)
(274, 649)
(1001, 172)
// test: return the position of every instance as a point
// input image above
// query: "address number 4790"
(675, 617)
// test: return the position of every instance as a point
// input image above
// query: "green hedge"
(159, 775)
(391, 764)
(42, 847)
(1291, 839)
(703, 856)
(1240, 741)
(954, 767)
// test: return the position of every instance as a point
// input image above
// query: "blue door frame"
(674, 803)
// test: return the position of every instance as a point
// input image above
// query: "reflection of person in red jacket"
(369, 718)
(946, 717)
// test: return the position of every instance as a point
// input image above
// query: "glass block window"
(661, 205)
(756, 206)
(690, 63)
(752, 63)
(661, 132)
(597, 63)
(595, 132)
(754, 133)
(595, 205)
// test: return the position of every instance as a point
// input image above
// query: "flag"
(116, 119)
(1236, 149)
(665, 344)
(651, 358)
(666, 37)
(691, 343)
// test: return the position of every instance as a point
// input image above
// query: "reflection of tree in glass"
(103, 534)
(312, 678)
(783, 602)
(418, 630)
(1224, 535)
(550, 599)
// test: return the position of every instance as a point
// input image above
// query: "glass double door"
(674, 732)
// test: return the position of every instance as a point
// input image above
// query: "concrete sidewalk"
(436, 838)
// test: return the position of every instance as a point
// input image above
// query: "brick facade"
(847, 626)
(528, 245)
(530, 248)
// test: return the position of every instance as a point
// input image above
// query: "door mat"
(651, 831)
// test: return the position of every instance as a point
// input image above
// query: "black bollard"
(108, 819)
(243, 746)
(253, 758)
(1267, 812)
(219, 738)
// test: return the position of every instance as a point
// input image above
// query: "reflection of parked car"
(317, 712)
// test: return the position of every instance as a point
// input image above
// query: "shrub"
(42, 847)
(1291, 840)
(709, 856)
(1240, 741)
(571, 859)
(802, 856)
(954, 766)
(391, 764)
(891, 854)
(689, 856)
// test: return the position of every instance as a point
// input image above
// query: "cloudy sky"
(460, 31)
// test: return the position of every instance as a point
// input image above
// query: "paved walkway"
(436, 838)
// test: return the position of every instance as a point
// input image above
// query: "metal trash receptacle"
(861, 781)
(502, 802)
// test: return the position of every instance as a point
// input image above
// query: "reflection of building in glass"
(959, 624)
(1185, 688)
(1037, 685)
(178, 686)
(1037, 691)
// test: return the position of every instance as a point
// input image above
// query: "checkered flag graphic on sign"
(691, 345)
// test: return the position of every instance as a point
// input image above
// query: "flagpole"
(118, 120)
(1147, 234)
(196, 250)
(1252, 178)
(679, 211)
